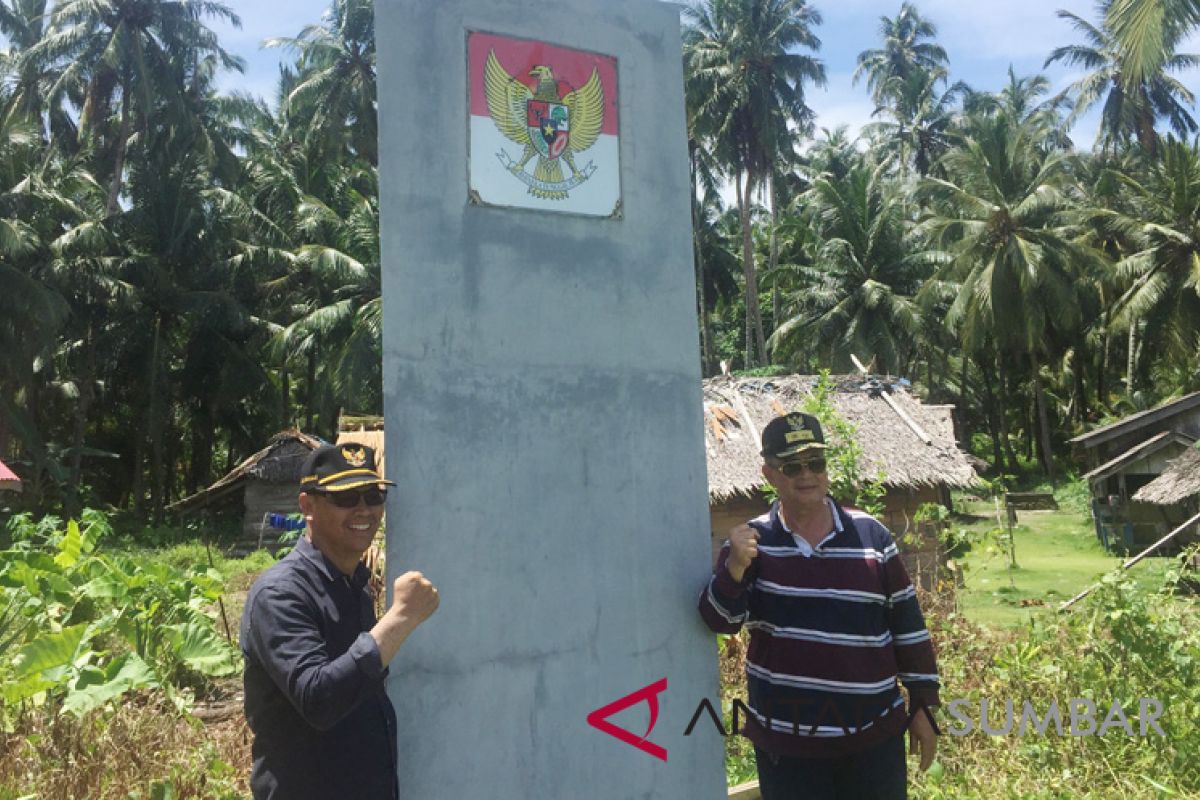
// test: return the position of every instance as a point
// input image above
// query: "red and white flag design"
(544, 129)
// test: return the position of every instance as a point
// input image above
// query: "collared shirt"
(314, 684)
(807, 549)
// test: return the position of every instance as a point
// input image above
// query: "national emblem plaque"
(543, 127)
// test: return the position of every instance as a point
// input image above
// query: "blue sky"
(982, 38)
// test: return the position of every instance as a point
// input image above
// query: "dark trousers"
(878, 773)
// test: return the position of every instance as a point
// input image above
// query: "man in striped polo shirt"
(834, 626)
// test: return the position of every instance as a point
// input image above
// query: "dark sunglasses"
(816, 466)
(350, 498)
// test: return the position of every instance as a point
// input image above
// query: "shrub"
(80, 629)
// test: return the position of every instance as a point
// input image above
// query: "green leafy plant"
(80, 629)
(849, 477)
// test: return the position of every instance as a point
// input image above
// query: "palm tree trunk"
(1105, 362)
(285, 399)
(1131, 360)
(83, 408)
(203, 444)
(1081, 402)
(114, 187)
(157, 423)
(701, 300)
(312, 390)
(992, 419)
(1043, 419)
(776, 301)
(755, 349)
(1005, 438)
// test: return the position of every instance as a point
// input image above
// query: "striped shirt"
(832, 630)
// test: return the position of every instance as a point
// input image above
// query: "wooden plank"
(1031, 501)
(1135, 559)
(900, 412)
(745, 791)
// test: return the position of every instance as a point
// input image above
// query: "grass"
(1057, 556)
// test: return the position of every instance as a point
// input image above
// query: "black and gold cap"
(337, 467)
(790, 435)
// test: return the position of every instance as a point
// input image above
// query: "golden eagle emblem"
(355, 456)
(550, 127)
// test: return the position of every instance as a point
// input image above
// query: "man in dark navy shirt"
(316, 658)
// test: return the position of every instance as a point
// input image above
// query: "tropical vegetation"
(186, 271)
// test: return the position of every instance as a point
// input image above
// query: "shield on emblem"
(549, 126)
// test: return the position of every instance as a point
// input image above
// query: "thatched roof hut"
(737, 409)
(1178, 482)
(278, 463)
(266, 483)
(1107, 442)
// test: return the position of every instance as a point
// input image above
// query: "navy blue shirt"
(323, 725)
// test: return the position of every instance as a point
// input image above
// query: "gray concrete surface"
(544, 425)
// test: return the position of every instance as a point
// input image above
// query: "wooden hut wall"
(264, 498)
(730, 514)
(1186, 422)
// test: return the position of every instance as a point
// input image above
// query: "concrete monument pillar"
(543, 401)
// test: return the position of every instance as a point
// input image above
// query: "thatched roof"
(1179, 481)
(737, 409)
(278, 462)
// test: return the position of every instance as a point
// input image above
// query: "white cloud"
(841, 103)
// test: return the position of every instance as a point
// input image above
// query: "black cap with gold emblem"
(335, 467)
(788, 436)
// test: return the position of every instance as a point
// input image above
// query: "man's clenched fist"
(414, 597)
(743, 548)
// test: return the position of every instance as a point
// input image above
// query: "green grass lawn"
(1057, 556)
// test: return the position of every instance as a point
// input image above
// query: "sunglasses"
(350, 499)
(791, 469)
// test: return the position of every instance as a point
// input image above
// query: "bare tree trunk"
(285, 400)
(962, 401)
(776, 300)
(1105, 362)
(706, 356)
(157, 423)
(83, 407)
(1081, 401)
(114, 187)
(312, 391)
(993, 420)
(1131, 361)
(1005, 438)
(1043, 419)
(755, 349)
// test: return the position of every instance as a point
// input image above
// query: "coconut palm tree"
(917, 124)
(1146, 31)
(999, 214)
(908, 48)
(134, 56)
(1160, 219)
(745, 72)
(335, 91)
(856, 296)
(1131, 107)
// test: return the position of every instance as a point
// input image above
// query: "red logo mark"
(598, 719)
